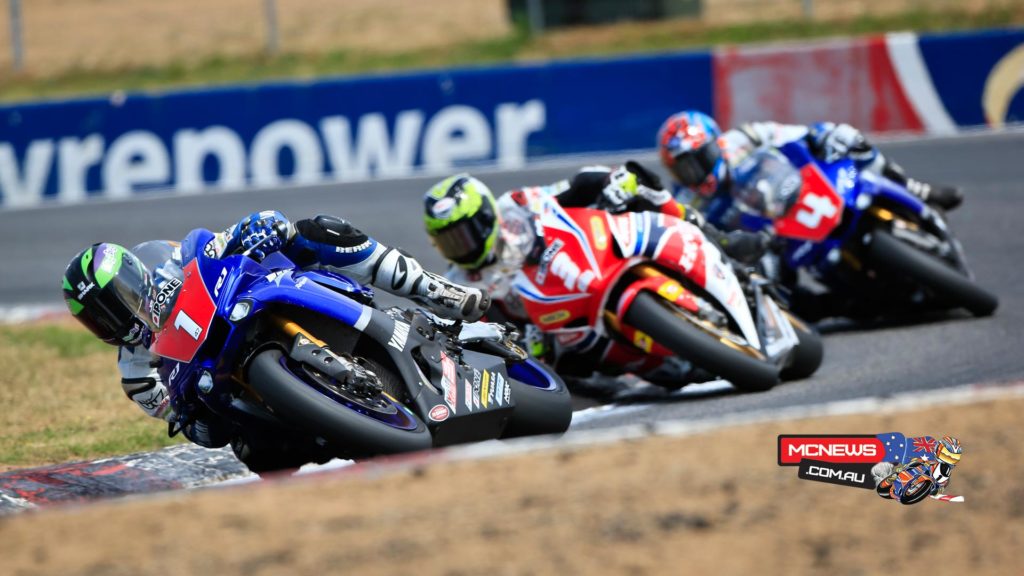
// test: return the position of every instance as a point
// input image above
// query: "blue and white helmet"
(689, 149)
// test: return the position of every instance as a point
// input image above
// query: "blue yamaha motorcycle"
(866, 238)
(276, 353)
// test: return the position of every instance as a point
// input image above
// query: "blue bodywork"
(276, 282)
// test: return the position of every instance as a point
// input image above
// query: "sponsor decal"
(467, 395)
(691, 249)
(670, 290)
(448, 381)
(353, 249)
(506, 392)
(499, 389)
(443, 207)
(555, 317)
(302, 282)
(897, 467)
(84, 289)
(399, 335)
(476, 388)
(162, 298)
(174, 373)
(545, 261)
(599, 233)
(133, 333)
(220, 282)
(486, 396)
(438, 413)
(210, 250)
(642, 341)
(109, 259)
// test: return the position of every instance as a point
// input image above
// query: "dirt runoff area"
(710, 503)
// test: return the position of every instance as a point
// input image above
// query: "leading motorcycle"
(280, 353)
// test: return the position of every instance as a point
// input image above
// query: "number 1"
(190, 326)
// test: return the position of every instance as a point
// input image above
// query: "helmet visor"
(466, 241)
(133, 287)
(692, 168)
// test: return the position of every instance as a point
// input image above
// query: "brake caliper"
(343, 368)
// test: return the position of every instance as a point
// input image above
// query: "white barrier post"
(270, 12)
(16, 46)
(808, 9)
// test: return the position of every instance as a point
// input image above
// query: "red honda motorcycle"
(655, 287)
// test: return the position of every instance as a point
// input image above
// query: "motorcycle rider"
(704, 163)
(702, 159)
(487, 241)
(116, 294)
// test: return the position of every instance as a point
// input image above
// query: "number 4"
(814, 207)
(183, 322)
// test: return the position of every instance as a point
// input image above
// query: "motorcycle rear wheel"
(289, 395)
(538, 411)
(899, 258)
(660, 320)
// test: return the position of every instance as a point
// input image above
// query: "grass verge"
(516, 46)
(62, 400)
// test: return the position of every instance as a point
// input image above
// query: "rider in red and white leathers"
(488, 240)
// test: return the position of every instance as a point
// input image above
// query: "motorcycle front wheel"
(309, 401)
(734, 362)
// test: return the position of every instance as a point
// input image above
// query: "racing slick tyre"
(656, 317)
(896, 257)
(809, 351)
(300, 398)
(538, 409)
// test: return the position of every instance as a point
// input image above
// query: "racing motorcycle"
(307, 356)
(860, 234)
(593, 288)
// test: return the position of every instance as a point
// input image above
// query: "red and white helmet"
(688, 146)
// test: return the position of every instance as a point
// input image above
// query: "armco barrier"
(385, 126)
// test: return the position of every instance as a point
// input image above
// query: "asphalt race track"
(860, 361)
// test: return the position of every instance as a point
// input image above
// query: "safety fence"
(302, 132)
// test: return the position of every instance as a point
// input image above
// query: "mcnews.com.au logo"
(895, 466)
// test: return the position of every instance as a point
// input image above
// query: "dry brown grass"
(62, 35)
(61, 399)
(716, 503)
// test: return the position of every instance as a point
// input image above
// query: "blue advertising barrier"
(396, 125)
(339, 129)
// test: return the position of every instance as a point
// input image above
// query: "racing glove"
(261, 233)
(830, 142)
(631, 186)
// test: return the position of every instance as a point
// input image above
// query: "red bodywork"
(188, 323)
(566, 293)
(817, 211)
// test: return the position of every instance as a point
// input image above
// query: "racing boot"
(452, 300)
(945, 197)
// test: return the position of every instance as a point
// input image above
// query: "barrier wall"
(386, 126)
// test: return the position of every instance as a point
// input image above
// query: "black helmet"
(105, 288)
